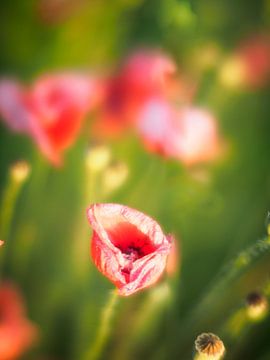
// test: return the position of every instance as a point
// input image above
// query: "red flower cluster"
(142, 96)
(128, 247)
(17, 333)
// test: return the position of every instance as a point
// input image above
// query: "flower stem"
(18, 173)
(103, 332)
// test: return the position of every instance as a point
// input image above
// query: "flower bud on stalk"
(19, 171)
(18, 174)
(257, 305)
(209, 347)
(97, 157)
(114, 176)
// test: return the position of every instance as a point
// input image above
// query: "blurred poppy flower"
(128, 247)
(249, 66)
(17, 333)
(155, 125)
(144, 74)
(197, 139)
(188, 134)
(51, 111)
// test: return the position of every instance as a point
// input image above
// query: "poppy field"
(134, 180)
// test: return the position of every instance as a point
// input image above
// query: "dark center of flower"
(133, 244)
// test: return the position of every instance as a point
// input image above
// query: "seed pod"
(209, 347)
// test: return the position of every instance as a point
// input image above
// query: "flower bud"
(97, 157)
(257, 305)
(19, 171)
(209, 347)
(114, 176)
(1, 242)
(232, 73)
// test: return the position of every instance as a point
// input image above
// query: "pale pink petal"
(13, 108)
(197, 139)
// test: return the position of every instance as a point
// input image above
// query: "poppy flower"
(197, 139)
(155, 126)
(145, 73)
(51, 111)
(128, 247)
(17, 333)
(188, 134)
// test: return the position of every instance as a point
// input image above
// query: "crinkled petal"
(118, 228)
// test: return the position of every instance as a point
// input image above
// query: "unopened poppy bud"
(267, 223)
(97, 157)
(114, 176)
(257, 305)
(232, 73)
(20, 171)
(209, 347)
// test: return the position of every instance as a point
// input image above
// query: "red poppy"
(144, 74)
(51, 112)
(188, 134)
(17, 333)
(128, 247)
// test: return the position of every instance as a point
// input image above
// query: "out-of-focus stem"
(147, 318)
(104, 330)
(96, 161)
(18, 173)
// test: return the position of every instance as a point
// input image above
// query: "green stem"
(82, 231)
(104, 330)
(7, 206)
(147, 319)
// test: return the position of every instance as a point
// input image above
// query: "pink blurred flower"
(128, 247)
(17, 333)
(155, 125)
(188, 134)
(197, 139)
(148, 73)
(51, 111)
(144, 74)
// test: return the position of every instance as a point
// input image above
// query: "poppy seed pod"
(128, 247)
(209, 346)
